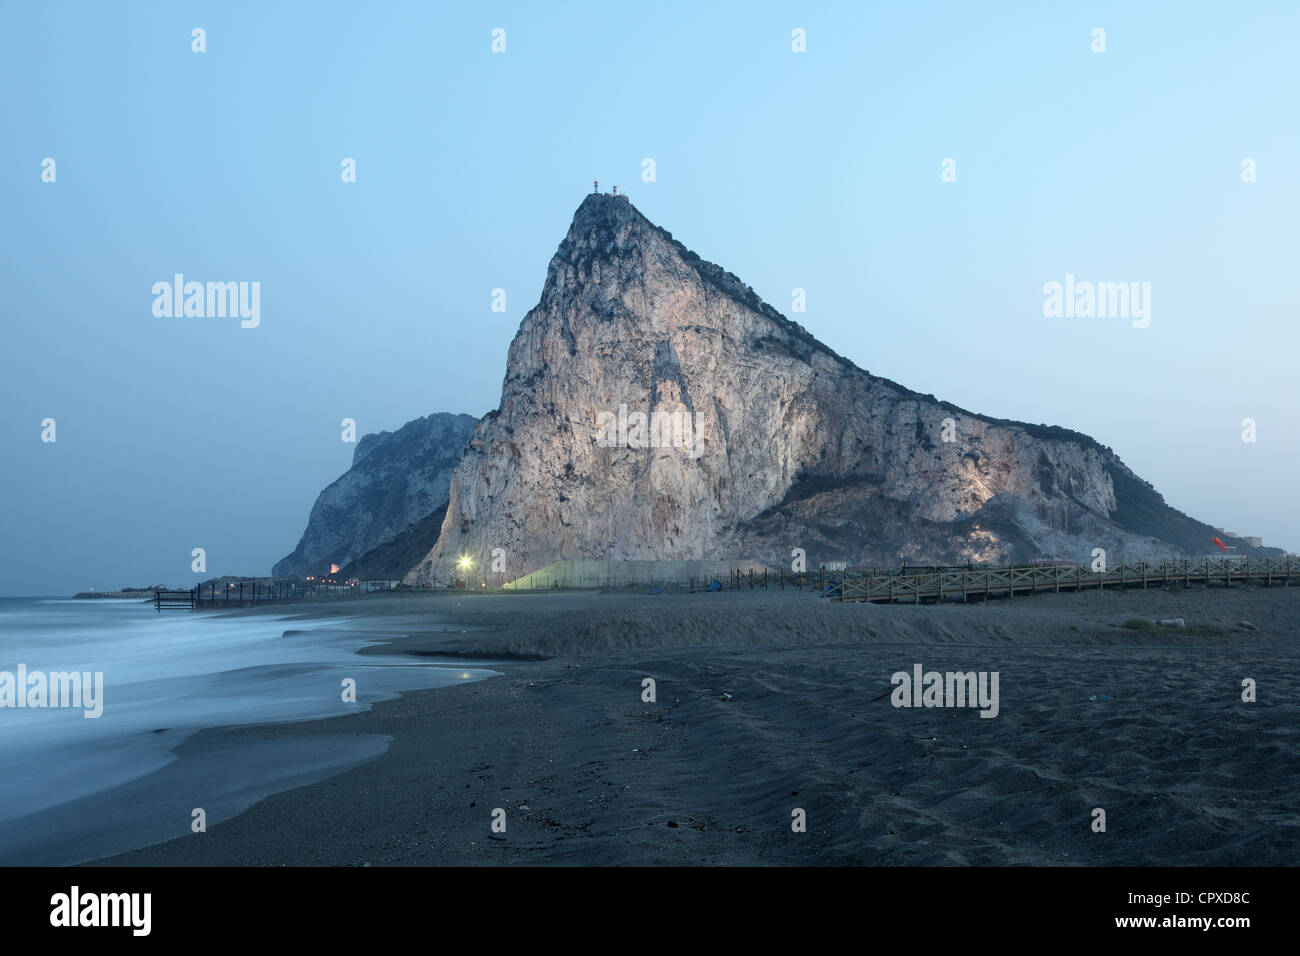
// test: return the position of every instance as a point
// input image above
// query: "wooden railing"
(940, 584)
(174, 600)
(240, 593)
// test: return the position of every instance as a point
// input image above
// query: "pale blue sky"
(818, 170)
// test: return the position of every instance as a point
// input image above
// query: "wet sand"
(588, 773)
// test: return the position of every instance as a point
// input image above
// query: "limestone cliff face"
(776, 442)
(396, 479)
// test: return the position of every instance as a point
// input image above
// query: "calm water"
(74, 788)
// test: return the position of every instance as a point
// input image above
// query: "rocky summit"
(655, 408)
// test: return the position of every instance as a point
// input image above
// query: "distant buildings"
(1251, 542)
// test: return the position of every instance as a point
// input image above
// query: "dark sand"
(589, 774)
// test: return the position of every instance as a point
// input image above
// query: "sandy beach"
(768, 702)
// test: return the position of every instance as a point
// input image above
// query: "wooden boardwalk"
(917, 585)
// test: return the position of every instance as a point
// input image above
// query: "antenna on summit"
(595, 186)
(615, 190)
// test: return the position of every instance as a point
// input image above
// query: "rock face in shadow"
(760, 439)
(396, 480)
(391, 560)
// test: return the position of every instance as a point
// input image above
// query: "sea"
(75, 788)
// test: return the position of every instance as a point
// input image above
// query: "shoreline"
(770, 702)
(82, 789)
